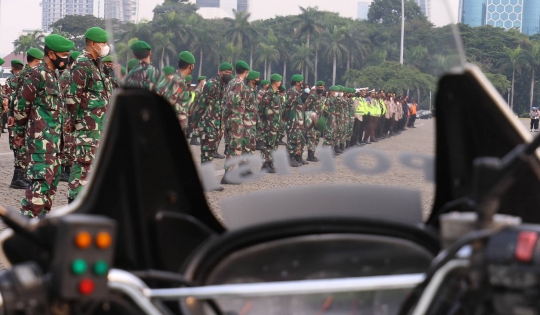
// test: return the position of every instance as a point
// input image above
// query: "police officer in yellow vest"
(360, 104)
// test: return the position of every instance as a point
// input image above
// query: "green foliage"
(77, 25)
(499, 81)
(178, 6)
(389, 11)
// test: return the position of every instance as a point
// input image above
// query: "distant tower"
(472, 12)
(425, 5)
(363, 9)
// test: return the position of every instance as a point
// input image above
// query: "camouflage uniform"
(87, 103)
(259, 124)
(332, 114)
(270, 108)
(39, 119)
(111, 83)
(314, 105)
(234, 106)
(295, 122)
(68, 152)
(143, 76)
(20, 159)
(251, 117)
(11, 86)
(208, 115)
(177, 93)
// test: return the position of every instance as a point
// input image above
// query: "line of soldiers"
(57, 106)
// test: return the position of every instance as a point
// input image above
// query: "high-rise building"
(531, 17)
(504, 13)
(472, 12)
(243, 6)
(363, 9)
(123, 10)
(425, 5)
(208, 3)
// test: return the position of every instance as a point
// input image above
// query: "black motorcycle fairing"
(472, 122)
(144, 166)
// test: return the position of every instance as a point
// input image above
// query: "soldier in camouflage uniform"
(208, 112)
(294, 115)
(331, 113)
(234, 106)
(39, 125)
(18, 181)
(143, 75)
(168, 73)
(177, 92)
(251, 115)
(111, 82)
(87, 103)
(68, 152)
(264, 87)
(270, 109)
(313, 108)
(4, 107)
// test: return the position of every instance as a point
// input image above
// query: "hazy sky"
(19, 15)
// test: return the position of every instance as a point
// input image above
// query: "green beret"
(187, 57)
(202, 77)
(107, 59)
(265, 82)
(321, 124)
(97, 35)
(58, 43)
(189, 78)
(36, 53)
(297, 78)
(225, 66)
(335, 88)
(241, 64)
(253, 75)
(168, 70)
(16, 62)
(132, 63)
(2, 61)
(140, 46)
(74, 54)
(352, 91)
(320, 83)
(123, 70)
(276, 77)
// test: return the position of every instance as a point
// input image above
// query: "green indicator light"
(101, 268)
(79, 267)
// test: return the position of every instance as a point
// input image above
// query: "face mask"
(306, 90)
(60, 60)
(319, 91)
(107, 69)
(257, 82)
(226, 78)
(104, 51)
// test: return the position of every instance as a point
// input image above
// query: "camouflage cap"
(123, 70)
(276, 77)
(265, 82)
(297, 78)
(107, 59)
(97, 34)
(189, 78)
(140, 46)
(36, 53)
(58, 43)
(225, 66)
(16, 62)
(132, 63)
(320, 83)
(241, 64)
(74, 54)
(187, 57)
(335, 88)
(168, 70)
(202, 77)
(253, 75)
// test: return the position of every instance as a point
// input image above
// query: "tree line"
(325, 46)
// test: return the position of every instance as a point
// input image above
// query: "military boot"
(300, 160)
(293, 162)
(311, 156)
(17, 182)
(194, 141)
(337, 150)
(65, 174)
(342, 148)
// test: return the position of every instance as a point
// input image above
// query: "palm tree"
(172, 23)
(231, 52)
(301, 59)
(124, 49)
(267, 54)
(533, 61)
(357, 44)
(417, 55)
(162, 43)
(309, 25)
(241, 31)
(320, 43)
(335, 51)
(141, 30)
(25, 42)
(511, 58)
(200, 39)
(284, 47)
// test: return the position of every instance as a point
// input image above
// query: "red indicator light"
(526, 243)
(86, 287)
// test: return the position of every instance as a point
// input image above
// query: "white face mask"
(306, 90)
(104, 51)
